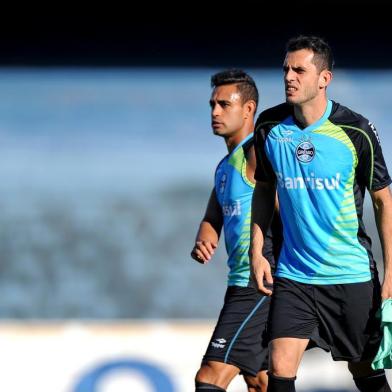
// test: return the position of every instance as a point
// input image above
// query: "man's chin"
(218, 132)
(290, 100)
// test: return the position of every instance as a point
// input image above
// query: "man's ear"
(250, 108)
(325, 78)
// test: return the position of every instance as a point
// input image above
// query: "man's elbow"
(382, 199)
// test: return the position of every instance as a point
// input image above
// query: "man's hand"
(203, 251)
(263, 204)
(261, 269)
(386, 289)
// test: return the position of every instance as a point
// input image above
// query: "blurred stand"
(105, 174)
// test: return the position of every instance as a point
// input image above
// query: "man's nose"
(216, 111)
(289, 75)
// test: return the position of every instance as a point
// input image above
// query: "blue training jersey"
(321, 172)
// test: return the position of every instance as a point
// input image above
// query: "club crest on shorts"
(305, 151)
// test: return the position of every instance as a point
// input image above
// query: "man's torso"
(321, 178)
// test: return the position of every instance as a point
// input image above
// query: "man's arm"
(382, 204)
(251, 164)
(263, 203)
(209, 231)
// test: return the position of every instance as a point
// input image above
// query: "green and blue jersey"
(234, 193)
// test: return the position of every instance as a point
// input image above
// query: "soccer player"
(320, 156)
(236, 344)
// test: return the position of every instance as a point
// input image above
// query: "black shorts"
(339, 318)
(240, 336)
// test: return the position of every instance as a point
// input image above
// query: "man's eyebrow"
(298, 68)
(220, 101)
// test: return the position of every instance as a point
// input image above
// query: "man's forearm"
(384, 226)
(207, 232)
(382, 202)
(256, 241)
(263, 203)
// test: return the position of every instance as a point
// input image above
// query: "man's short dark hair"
(246, 86)
(323, 57)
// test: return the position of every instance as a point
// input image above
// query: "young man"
(236, 344)
(320, 156)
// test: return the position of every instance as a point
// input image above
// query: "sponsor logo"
(305, 151)
(219, 343)
(311, 182)
(232, 209)
(285, 139)
(222, 183)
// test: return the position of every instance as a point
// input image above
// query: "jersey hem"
(325, 281)
(240, 284)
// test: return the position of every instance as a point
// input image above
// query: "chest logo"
(305, 152)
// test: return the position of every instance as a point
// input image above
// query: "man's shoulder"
(274, 115)
(221, 162)
(248, 145)
(347, 118)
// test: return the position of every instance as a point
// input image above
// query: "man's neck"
(234, 140)
(310, 112)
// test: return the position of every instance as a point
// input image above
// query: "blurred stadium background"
(107, 161)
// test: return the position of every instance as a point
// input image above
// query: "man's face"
(301, 77)
(227, 110)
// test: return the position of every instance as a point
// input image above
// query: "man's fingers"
(198, 256)
(210, 248)
(261, 271)
(205, 248)
(263, 289)
(268, 276)
(203, 251)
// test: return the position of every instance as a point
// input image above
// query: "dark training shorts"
(339, 318)
(239, 337)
